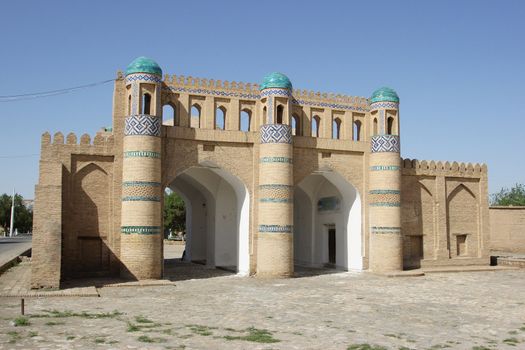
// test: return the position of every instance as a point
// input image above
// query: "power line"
(11, 98)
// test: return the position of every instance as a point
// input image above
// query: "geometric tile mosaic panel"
(384, 105)
(141, 199)
(143, 77)
(276, 92)
(384, 168)
(142, 124)
(276, 228)
(385, 198)
(386, 229)
(276, 133)
(257, 96)
(141, 154)
(385, 143)
(140, 230)
(275, 160)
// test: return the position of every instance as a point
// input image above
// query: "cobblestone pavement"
(332, 310)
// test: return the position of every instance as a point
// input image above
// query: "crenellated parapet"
(250, 91)
(435, 168)
(102, 141)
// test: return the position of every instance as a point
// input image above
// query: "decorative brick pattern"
(143, 125)
(276, 133)
(385, 143)
(276, 228)
(385, 198)
(275, 194)
(141, 154)
(140, 230)
(141, 183)
(276, 160)
(141, 191)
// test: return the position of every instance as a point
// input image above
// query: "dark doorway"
(331, 246)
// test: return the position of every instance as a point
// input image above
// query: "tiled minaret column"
(141, 241)
(275, 226)
(386, 243)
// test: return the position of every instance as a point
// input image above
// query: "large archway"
(327, 222)
(217, 217)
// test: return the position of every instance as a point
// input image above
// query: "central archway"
(327, 222)
(217, 217)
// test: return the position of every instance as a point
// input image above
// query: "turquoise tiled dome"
(144, 65)
(276, 80)
(384, 94)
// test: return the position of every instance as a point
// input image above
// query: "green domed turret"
(384, 94)
(144, 65)
(276, 80)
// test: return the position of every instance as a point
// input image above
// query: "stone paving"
(214, 309)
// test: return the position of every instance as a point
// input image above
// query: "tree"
(174, 212)
(23, 215)
(508, 197)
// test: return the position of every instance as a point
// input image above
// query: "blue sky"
(456, 65)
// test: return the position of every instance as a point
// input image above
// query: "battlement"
(101, 139)
(426, 167)
(243, 90)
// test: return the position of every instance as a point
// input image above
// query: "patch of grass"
(513, 332)
(54, 323)
(255, 335)
(397, 336)
(32, 334)
(405, 348)
(201, 330)
(132, 327)
(100, 340)
(146, 339)
(478, 347)
(83, 314)
(142, 319)
(511, 341)
(70, 337)
(365, 347)
(21, 321)
(13, 337)
(522, 328)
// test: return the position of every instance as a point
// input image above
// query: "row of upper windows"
(169, 110)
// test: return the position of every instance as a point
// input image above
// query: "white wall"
(225, 216)
(311, 226)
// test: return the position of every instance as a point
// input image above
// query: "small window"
(246, 118)
(357, 131)
(280, 112)
(375, 126)
(195, 121)
(390, 126)
(129, 105)
(316, 121)
(146, 103)
(336, 128)
(220, 118)
(265, 116)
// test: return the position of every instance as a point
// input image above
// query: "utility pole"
(12, 214)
